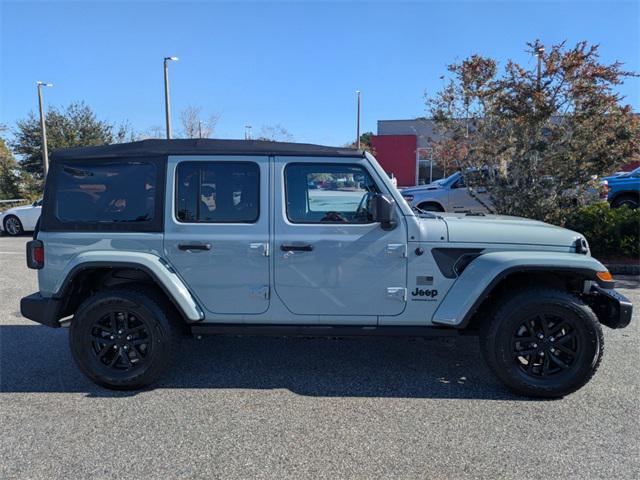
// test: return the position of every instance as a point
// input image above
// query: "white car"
(447, 195)
(17, 220)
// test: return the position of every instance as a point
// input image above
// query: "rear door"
(330, 258)
(217, 230)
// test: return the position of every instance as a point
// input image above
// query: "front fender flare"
(485, 272)
(164, 275)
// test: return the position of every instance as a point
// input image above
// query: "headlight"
(582, 246)
(408, 198)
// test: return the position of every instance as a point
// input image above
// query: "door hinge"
(399, 249)
(260, 247)
(397, 293)
(261, 292)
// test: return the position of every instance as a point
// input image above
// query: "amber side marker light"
(604, 276)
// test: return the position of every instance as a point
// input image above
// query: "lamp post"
(358, 120)
(167, 107)
(43, 128)
(539, 52)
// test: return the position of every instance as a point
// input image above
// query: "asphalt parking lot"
(305, 408)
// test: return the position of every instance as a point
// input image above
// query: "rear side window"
(217, 192)
(107, 195)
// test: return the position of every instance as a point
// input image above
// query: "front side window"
(328, 193)
(217, 192)
(106, 192)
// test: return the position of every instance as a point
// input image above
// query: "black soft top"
(203, 146)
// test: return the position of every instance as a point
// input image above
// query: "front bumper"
(612, 308)
(41, 309)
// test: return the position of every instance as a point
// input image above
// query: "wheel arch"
(485, 280)
(87, 277)
(625, 193)
(431, 202)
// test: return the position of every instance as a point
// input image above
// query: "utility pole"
(358, 120)
(539, 52)
(167, 106)
(247, 132)
(200, 128)
(43, 128)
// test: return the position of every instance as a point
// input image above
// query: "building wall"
(422, 128)
(397, 155)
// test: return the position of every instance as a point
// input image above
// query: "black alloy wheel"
(121, 340)
(124, 339)
(545, 345)
(542, 342)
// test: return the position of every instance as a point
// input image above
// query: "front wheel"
(122, 339)
(543, 343)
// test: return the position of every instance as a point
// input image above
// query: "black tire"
(142, 341)
(630, 200)
(13, 226)
(566, 324)
(431, 207)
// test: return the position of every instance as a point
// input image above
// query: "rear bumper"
(612, 308)
(41, 309)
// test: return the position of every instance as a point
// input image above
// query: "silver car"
(447, 195)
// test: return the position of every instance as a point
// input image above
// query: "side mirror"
(383, 210)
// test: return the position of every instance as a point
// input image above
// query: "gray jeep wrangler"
(143, 242)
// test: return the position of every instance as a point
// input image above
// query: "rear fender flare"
(163, 274)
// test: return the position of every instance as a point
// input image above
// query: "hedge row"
(611, 232)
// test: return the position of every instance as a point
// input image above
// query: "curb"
(623, 269)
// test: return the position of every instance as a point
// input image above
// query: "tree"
(365, 143)
(9, 173)
(275, 133)
(75, 126)
(194, 126)
(538, 136)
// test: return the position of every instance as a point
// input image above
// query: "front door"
(330, 258)
(217, 230)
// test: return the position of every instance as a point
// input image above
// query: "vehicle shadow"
(37, 359)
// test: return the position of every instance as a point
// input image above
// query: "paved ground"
(305, 408)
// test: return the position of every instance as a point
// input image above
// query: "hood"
(17, 209)
(506, 229)
(421, 188)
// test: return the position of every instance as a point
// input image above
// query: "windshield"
(449, 180)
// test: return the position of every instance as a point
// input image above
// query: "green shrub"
(611, 232)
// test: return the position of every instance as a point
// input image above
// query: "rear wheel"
(543, 343)
(13, 226)
(122, 339)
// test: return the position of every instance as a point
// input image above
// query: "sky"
(295, 64)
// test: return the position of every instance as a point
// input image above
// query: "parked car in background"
(18, 220)
(451, 195)
(447, 195)
(624, 189)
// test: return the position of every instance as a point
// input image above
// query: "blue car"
(624, 189)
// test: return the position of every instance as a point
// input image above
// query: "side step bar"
(321, 330)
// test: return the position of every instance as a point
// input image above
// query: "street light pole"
(539, 51)
(358, 120)
(167, 106)
(43, 128)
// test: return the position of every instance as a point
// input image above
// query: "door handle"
(194, 246)
(296, 248)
